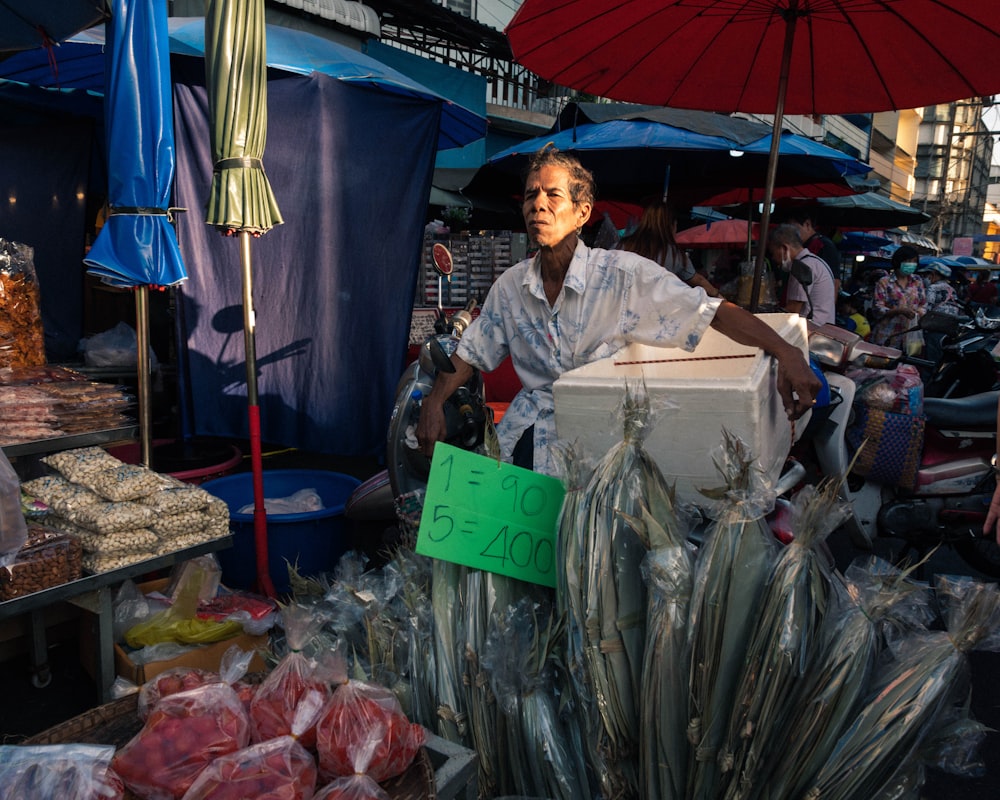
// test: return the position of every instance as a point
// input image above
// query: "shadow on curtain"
(334, 286)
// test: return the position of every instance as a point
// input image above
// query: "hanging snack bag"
(278, 769)
(356, 708)
(184, 733)
(22, 338)
(273, 706)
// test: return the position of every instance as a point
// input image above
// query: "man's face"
(549, 213)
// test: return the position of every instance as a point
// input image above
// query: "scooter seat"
(974, 411)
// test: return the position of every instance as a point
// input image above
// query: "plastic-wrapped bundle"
(875, 596)
(785, 640)
(669, 574)
(928, 675)
(625, 481)
(521, 658)
(730, 575)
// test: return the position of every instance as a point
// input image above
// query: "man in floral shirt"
(570, 305)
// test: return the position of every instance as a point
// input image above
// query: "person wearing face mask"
(818, 299)
(900, 299)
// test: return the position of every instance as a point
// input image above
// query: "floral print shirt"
(941, 296)
(609, 298)
(890, 295)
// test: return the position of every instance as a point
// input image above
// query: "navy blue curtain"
(334, 286)
(45, 169)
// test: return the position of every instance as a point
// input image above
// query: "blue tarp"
(334, 285)
(350, 162)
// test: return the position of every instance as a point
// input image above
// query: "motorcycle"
(465, 412)
(955, 478)
(958, 358)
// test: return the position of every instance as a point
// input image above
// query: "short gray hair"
(787, 234)
(582, 188)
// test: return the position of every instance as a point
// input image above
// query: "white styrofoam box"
(721, 384)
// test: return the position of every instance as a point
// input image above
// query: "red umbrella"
(764, 56)
(720, 233)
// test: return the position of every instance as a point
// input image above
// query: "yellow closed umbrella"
(241, 202)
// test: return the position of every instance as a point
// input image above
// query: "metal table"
(93, 593)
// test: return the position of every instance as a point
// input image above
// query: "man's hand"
(797, 384)
(431, 427)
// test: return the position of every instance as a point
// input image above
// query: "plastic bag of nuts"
(49, 558)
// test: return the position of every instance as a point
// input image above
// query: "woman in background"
(654, 238)
(899, 300)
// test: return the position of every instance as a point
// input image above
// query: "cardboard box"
(207, 657)
(721, 384)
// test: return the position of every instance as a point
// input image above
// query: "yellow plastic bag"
(179, 623)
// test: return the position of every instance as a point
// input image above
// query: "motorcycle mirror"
(801, 272)
(443, 262)
(439, 357)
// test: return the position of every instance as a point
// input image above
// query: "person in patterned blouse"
(899, 299)
(569, 305)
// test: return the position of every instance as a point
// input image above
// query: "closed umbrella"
(137, 246)
(764, 56)
(241, 202)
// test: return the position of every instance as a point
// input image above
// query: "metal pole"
(264, 582)
(144, 379)
(790, 16)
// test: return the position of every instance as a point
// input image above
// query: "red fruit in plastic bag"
(184, 733)
(278, 769)
(273, 705)
(172, 681)
(355, 709)
(353, 787)
(245, 691)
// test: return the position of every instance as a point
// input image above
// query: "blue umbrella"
(26, 24)
(858, 242)
(632, 158)
(137, 247)
(80, 61)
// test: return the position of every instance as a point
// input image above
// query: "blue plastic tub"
(313, 540)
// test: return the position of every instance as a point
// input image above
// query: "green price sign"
(491, 516)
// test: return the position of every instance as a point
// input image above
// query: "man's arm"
(797, 383)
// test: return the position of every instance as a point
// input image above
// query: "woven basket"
(118, 721)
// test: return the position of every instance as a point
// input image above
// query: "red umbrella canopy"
(846, 56)
(719, 233)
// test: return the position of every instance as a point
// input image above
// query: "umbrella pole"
(144, 380)
(256, 461)
(772, 163)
